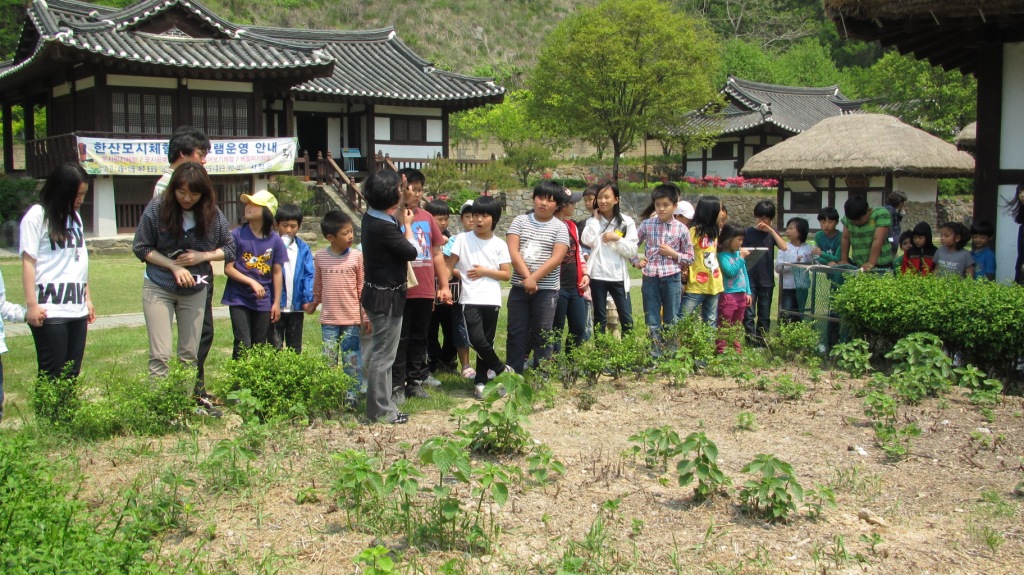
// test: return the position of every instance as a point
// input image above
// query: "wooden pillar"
(371, 140)
(8, 138)
(446, 152)
(183, 107)
(990, 119)
(259, 118)
(288, 117)
(104, 119)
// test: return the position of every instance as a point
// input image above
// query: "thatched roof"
(936, 9)
(968, 137)
(861, 145)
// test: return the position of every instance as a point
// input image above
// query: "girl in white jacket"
(613, 240)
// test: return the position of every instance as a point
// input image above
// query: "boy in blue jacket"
(297, 287)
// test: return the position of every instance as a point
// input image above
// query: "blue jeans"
(708, 306)
(341, 343)
(662, 297)
(572, 307)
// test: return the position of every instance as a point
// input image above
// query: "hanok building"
(110, 75)
(980, 37)
(755, 117)
(869, 155)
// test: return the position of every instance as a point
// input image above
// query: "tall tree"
(621, 70)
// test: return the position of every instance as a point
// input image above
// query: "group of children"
(921, 256)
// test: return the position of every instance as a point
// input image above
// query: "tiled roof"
(376, 63)
(753, 104)
(371, 65)
(64, 26)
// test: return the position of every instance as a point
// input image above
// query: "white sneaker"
(478, 392)
(432, 381)
(491, 375)
(468, 372)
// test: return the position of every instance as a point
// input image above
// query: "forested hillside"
(778, 41)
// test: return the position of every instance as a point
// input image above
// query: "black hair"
(802, 228)
(924, 230)
(550, 188)
(983, 228)
(828, 213)
(172, 218)
(185, 141)
(669, 190)
(289, 212)
(333, 221)
(381, 189)
(591, 189)
(412, 175)
(765, 209)
(705, 217)
(958, 229)
(895, 199)
(1015, 207)
(487, 205)
(616, 212)
(58, 198)
(907, 235)
(856, 207)
(465, 209)
(267, 225)
(438, 208)
(728, 233)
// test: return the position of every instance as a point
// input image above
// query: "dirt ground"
(947, 508)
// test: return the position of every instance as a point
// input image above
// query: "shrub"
(443, 178)
(498, 423)
(776, 492)
(16, 195)
(284, 383)
(793, 342)
(982, 321)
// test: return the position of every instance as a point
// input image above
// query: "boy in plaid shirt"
(667, 249)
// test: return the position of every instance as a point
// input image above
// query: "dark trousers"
(529, 326)
(599, 291)
(482, 323)
(571, 308)
(790, 301)
(757, 320)
(205, 343)
(59, 342)
(250, 327)
(411, 357)
(288, 331)
(441, 350)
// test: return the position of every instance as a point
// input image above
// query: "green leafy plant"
(794, 342)
(228, 467)
(746, 421)
(854, 357)
(787, 387)
(358, 484)
(541, 465)
(497, 424)
(981, 390)
(55, 400)
(375, 561)
(776, 493)
(923, 369)
(895, 440)
(657, 444)
(700, 461)
(284, 383)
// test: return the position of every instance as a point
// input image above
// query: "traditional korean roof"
(861, 145)
(947, 33)
(183, 38)
(753, 104)
(67, 31)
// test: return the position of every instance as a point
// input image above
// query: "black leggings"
(60, 341)
(251, 327)
(482, 322)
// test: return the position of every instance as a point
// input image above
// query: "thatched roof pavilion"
(861, 145)
(968, 137)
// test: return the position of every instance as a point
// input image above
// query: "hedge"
(982, 321)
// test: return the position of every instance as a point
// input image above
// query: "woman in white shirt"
(613, 240)
(55, 273)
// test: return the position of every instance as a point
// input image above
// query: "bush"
(443, 178)
(16, 195)
(982, 321)
(286, 384)
(793, 342)
(950, 187)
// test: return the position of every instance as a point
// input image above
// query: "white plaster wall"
(85, 83)
(800, 185)
(104, 213)
(723, 168)
(301, 106)
(426, 152)
(1011, 157)
(144, 82)
(334, 136)
(435, 131)
(917, 189)
(219, 86)
(382, 128)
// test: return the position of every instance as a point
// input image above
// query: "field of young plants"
(600, 463)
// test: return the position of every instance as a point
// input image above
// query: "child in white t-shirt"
(795, 281)
(483, 262)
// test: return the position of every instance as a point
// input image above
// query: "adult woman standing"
(180, 233)
(55, 273)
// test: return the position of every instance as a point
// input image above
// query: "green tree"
(623, 69)
(807, 63)
(923, 95)
(12, 14)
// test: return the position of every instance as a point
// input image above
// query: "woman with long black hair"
(55, 273)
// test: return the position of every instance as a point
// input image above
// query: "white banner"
(113, 157)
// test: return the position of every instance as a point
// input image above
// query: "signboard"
(114, 157)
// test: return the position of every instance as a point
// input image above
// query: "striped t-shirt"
(536, 242)
(340, 277)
